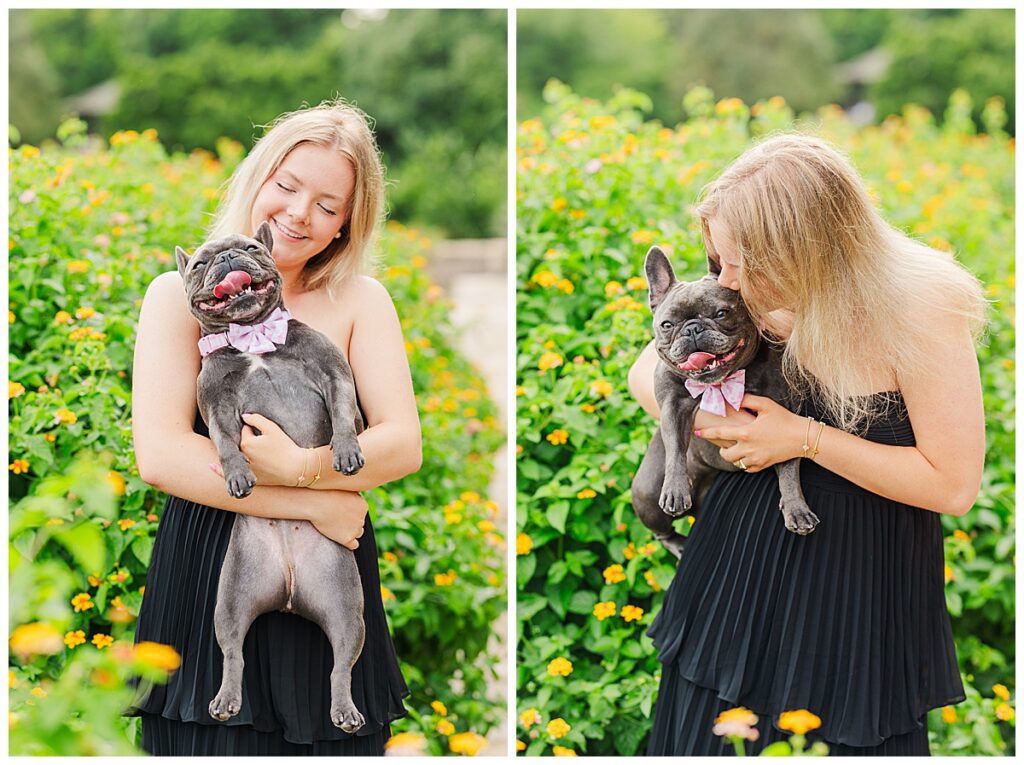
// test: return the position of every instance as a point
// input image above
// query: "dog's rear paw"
(798, 518)
(675, 502)
(225, 706)
(240, 483)
(674, 544)
(348, 457)
(347, 717)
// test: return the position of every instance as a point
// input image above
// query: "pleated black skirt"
(848, 622)
(288, 659)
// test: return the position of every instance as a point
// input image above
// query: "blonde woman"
(850, 621)
(317, 178)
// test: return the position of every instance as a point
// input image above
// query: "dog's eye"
(198, 263)
(722, 313)
(251, 248)
(667, 325)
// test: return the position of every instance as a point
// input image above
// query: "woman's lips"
(287, 232)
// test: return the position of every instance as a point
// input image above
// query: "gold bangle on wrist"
(817, 441)
(302, 474)
(319, 467)
(807, 437)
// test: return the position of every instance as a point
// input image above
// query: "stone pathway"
(473, 274)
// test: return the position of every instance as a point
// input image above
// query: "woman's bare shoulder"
(367, 295)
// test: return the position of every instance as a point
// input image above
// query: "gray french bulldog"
(256, 358)
(703, 334)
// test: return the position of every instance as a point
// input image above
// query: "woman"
(317, 178)
(848, 622)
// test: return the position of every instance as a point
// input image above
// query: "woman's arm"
(391, 443)
(944, 401)
(173, 458)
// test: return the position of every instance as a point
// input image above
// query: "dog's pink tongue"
(697, 360)
(232, 284)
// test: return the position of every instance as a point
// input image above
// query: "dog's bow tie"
(250, 338)
(716, 394)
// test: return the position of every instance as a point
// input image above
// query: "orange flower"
(558, 437)
(157, 655)
(1005, 712)
(37, 638)
(560, 666)
(529, 718)
(82, 601)
(603, 610)
(439, 708)
(948, 715)
(102, 641)
(632, 613)
(614, 574)
(558, 728)
(586, 494)
(561, 751)
(467, 743)
(550, 361)
(739, 722)
(799, 721)
(18, 467)
(445, 727)
(14, 389)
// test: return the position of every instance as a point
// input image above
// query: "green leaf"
(556, 514)
(86, 543)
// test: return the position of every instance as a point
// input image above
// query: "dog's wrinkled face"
(701, 329)
(231, 280)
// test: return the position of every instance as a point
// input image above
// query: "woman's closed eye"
(284, 188)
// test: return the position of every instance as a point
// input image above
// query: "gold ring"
(739, 463)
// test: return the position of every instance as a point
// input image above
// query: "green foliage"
(972, 49)
(91, 225)
(597, 186)
(433, 80)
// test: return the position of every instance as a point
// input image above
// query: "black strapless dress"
(286, 696)
(849, 622)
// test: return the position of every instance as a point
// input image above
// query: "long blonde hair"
(811, 241)
(332, 124)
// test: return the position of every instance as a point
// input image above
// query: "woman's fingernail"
(212, 467)
(697, 433)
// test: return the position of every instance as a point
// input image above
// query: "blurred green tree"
(970, 49)
(754, 54)
(32, 90)
(595, 52)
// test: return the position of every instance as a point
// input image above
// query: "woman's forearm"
(390, 451)
(900, 473)
(181, 467)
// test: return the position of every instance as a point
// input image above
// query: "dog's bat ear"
(714, 266)
(182, 259)
(660, 276)
(265, 236)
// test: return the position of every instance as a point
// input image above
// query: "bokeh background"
(604, 172)
(434, 81)
(125, 125)
(869, 61)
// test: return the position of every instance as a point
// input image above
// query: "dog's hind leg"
(646, 493)
(341, 620)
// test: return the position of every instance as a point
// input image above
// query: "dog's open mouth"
(703, 362)
(219, 303)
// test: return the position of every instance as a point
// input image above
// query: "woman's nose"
(729, 279)
(299, 210)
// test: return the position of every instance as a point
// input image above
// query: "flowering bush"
(91, 225)
(597, 185)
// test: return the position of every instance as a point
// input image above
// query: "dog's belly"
(290, 400)
(310, 563)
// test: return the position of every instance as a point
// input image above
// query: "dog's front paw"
(240, 482)
(347, 717)
(675, 498)
(798, 516)
(348, 457)
(225, 705)
(673, 543)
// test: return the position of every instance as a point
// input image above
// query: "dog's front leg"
(676, 419)
(225, 425)
(795, 512)
(346, 421)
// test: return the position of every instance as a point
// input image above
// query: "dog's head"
(702, 330)
(231, 280)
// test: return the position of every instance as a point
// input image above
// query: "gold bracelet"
(817, 441)
(319, 467)
(807, 437)
(302, 475)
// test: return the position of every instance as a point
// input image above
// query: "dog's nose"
(693, 328)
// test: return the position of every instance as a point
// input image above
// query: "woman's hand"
(774, 435)
(273, 457)
(338, 515)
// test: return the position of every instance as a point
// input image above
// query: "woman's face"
(306, 200)
(728, 256)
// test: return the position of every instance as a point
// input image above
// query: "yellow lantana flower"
(560, 666)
